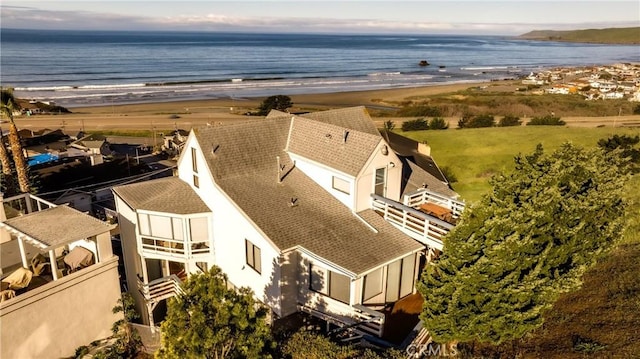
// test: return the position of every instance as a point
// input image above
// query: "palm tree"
(7, 106)
(4, 158)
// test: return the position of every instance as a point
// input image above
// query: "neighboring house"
(59, 279)
(80, 200)
(174, 142)
(314, 213)
(87, 146)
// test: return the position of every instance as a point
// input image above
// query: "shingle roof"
(419, 170)
(318, 222)
(416, 178)
(354, 118)
(57, 226)
(168, 195)
(334, 146)
(406, 147)
(243, 147)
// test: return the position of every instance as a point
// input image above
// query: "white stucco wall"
(51, 321)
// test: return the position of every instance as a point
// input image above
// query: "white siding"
(365, 180)
(316, 300)
(230, 229)
(323, 176)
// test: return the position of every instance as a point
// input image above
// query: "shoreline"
(185, 114)
(191, 113)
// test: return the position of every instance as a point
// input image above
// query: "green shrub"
(509, 120)
(438, 123)
(468, 121)
(415, 125)
(548, 120)
(420, 110)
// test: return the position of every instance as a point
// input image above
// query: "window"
(194, 160)
(254, 259)
(332, 284)
(372, 284)
(380, 183)
(341, 185)
(160, 226)
(196, 181)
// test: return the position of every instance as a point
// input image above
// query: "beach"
(168, 115)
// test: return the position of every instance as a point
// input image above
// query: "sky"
(507, 17)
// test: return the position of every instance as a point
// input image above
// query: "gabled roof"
(57, 226)
(344, 150)
(245, 147)
(354, 118)
(415, 178)
(168, 195)
(299, 213)
(406, 147)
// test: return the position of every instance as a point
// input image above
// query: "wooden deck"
(402, 318)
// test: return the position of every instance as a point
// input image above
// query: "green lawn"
(474, 155)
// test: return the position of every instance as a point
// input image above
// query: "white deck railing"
(359, 318)
(172, 249)
(421, 196)
(161, 288)
(420, 226)
(27, 203)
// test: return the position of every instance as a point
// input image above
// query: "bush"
(415, 125)
(509, 120)
(636, 110)
(468, 121)
(419, 110)
(548, 120)
(438, 123)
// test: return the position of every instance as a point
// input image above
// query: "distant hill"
(625, 35)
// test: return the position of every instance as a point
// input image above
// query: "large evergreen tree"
(276, 102)
(530, 239)
(212, 321)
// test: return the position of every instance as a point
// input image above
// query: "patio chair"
(39, 265)
(19, 279)
(7, 294)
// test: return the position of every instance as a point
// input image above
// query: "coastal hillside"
(627, 35)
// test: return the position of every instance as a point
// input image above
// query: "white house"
(313, 212)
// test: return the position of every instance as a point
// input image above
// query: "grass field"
(474, 155)
(600, 320)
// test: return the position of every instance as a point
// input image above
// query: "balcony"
(42, 242)
(424, 227)
(172, 249)
(160, 289)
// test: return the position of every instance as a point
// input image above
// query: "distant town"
(613, 82)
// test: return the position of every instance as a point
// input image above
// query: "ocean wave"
(385, 73)
(488, 68)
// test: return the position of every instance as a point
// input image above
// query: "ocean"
(81, 68)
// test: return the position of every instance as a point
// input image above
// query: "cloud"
(32, 18)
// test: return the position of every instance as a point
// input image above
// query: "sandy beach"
(187, 114)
